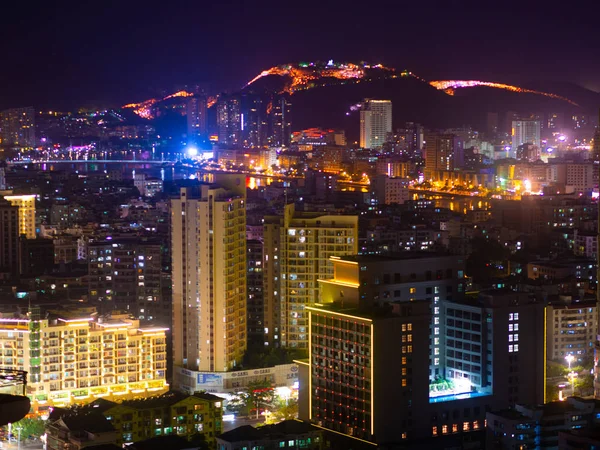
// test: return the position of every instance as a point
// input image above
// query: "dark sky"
(66, 53)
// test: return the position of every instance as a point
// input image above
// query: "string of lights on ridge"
(307, 75)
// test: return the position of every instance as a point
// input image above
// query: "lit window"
(466, 426)
(436, 320)
(510, 316)
(516, 337)
(434, 431)
(412, 290)
(404, 435)
(444, 429)
(436, 330)
(436, 341)
(403, 382)
(409, 326)
(403, 327)
(516, 327)
(409, 336)
(516, 347)
(510, 338)
(436, 351)
(436, 362)
(476, 425)
(516, 316)
(410, 349)
(455, 428)
(404, 360)
(510, 327)
(510, 349)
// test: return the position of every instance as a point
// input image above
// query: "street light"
(18, 437)
(572, 376)
(570, 359)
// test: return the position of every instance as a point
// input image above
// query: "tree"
(257, 394)
(551, 392)
(286, 409)
(585, 385)
(555, 369)
(30, 427)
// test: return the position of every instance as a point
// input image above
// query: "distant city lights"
(191, 152)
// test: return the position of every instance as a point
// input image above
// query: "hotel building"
(78, 358)
(385, 367)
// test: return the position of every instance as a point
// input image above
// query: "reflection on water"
(127, 169)
(456, 203)
(165, 173)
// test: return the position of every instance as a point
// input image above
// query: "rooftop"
(161, 443)
(90, 421)
(395, 257)
(170, 398)
(276, 431)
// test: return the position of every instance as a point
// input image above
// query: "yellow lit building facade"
(26, 205)
(208, 241)
(297, 251)
(79, 359)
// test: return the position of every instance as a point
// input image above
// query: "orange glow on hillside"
(448, 86)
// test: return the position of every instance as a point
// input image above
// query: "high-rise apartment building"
(280, 122)
(10, 248)
(525, 132)
(572, 330)
(79, 357)
(256, 300)
(375, 122)
(595, 154)
(229, 121)
(208, 242)
(196, 118)
(253, 121)
(298, 247)
(26, 205)
(17, 128)
(597, 343)
(443, 152)
(125, 275)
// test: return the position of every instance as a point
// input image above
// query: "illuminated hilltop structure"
(307, 75)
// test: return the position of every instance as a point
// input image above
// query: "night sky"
(94, 53)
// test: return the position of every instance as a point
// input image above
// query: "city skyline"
(257, 225)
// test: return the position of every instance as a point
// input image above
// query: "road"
(24, 445)
(238, 422)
